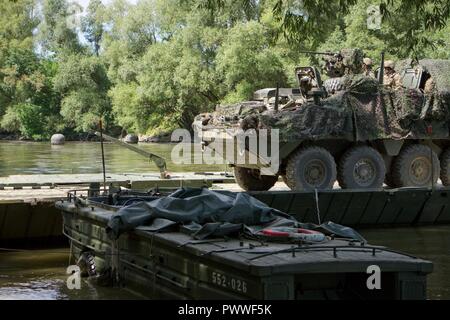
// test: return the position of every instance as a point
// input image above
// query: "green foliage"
(92, 24)
(247, 63)
(57, 29)
(153, 65)
(27, 118)
(83, 84)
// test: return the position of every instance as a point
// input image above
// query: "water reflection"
(84, 157)
(431, 243)
(40, 275)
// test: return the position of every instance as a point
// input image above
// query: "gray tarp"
(206, 213)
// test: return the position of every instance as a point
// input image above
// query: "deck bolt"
(334, 252)
(373, 251)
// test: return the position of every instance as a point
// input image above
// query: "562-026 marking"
(229, 282)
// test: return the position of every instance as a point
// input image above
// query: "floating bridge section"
(28, 214)
(356, 208)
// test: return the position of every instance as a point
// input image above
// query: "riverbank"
(89, 137)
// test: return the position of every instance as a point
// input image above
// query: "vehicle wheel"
(86, 263)
(311, 168)
(445, 168)
(413, 167)
(361, 167)
(251, 180)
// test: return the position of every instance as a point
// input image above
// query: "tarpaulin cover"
(207, 213)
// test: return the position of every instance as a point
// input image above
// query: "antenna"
(100, 125)
(277, 93)
(381, 71)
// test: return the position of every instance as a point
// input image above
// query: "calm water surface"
(85, 157)
(40, 274)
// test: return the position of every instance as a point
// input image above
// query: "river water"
(40, 274)
(85, 157)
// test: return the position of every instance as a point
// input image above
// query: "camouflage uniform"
(367, 67)
(347, 63)
(429, 86)
(391, 77)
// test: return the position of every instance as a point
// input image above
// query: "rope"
(70, 252)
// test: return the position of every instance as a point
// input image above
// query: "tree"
(248, 63)
(308, 20)
(353, 32)
(92, 23)
(83, 84)
(56, 33)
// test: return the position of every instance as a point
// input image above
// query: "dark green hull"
(173, 265)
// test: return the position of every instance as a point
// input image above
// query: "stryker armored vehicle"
(351, 127)
(175, 248)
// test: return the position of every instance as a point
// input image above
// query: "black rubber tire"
(298, 162)
(251, 180)
(86, 262)
(445, 167)
(347, 169)
(402, 174)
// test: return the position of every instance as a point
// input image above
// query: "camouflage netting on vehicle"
(440, 71)
(437, 106)
(352, 59)
(363, 111)
(309, 120)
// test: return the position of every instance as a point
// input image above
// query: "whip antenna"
(100, 125)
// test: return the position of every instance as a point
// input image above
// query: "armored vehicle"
(351, 127)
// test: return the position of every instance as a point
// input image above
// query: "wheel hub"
(364, 172)
(315, 173)
(420, 170)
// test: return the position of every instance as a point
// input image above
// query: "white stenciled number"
(219, 279)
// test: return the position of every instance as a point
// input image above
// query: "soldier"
(391, 77)
(429, 86)
(367, 67)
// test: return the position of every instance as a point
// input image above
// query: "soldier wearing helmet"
(367, 67)
(391, 77)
